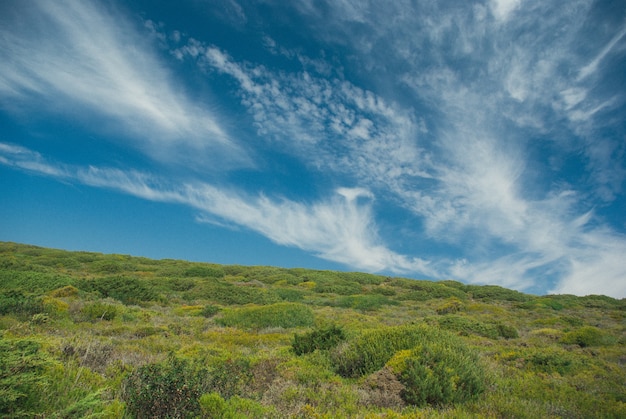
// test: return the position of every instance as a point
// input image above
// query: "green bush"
(169, 389)
(496, 293)
(204, 271)
(371, 350)
(364, 302)
(437, 373)
(467, 326)
(17, 302)
(452, 305)
(22, 380)
(209, 310)
(229, 294)
(99, 311)
(128, 290)
(288, 294)
(588, 336)
(275, 315)
(322, 338)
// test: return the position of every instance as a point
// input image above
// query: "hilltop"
(92, 335)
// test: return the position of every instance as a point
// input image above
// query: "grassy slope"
(76, 329)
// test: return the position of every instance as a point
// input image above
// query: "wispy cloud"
(69, 55)
(467, 175)
(340, 228)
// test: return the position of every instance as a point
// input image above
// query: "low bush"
(323, 338)
(437, 373)
(588, 336)
(452, 305)
(169, 389)
(99, 311)
(19, 303)
(128, 290)
(371, 350)
(275, 315)
(364, 302)
(22, 380)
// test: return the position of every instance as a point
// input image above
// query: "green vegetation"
(114, 336)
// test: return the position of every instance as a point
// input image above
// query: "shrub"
(276, 315)
(17, 302)
(437, 373)
(170, 389)
(496, 293)
(67, 291)
(322, 338)
(452, 305)
(204, 271)
(288, 294)
(209, 310)
(99, 311)
(467, 326)
(125, 289)
(22, 366)
(339, 287)
(587, 336)
(365, 302)
(371, 350)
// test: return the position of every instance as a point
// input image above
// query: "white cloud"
(340, 229)
(70, 55)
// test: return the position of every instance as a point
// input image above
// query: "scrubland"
(114, 336)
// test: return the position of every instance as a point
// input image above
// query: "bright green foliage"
(588, 336)
(322, 338)
(22, 367)
(371, 350)
(215, 407)
(99, 311)
(170, 389)
(276, 315)
(437, 373)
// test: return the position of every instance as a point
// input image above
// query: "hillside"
(108, 336)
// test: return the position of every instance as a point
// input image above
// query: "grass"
(113, 336)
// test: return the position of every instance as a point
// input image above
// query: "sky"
(481, 141)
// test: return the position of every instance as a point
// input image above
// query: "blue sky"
(482, 141)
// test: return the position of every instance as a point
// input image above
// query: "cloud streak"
(73, 55)
(340, 229)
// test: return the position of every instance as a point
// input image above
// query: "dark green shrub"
(507, 331)
(22, 380)
(437, 373)
(229, 294)
(588, 336)
(340, 287)
(322, 338)
(382, 290)
(365, 302)
(230, 377)
(467, 326)
(205, 271)
(370, 351)
(19, 303)
(169, 389)
(209, 311)
(276, 315)
(496, 293)
(288, 294)
(128, 290)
